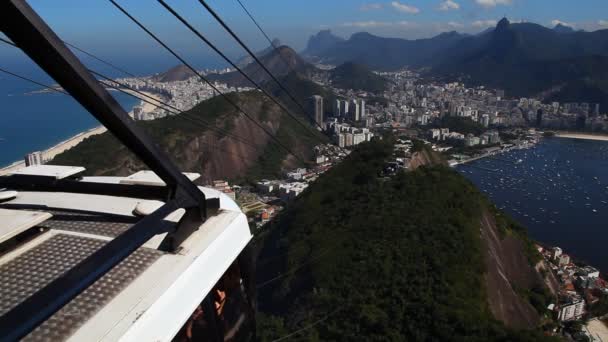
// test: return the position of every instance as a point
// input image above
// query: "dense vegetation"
(359, 77)
(104, 154)
(178, 137)
(527, 59)
(362, 258)
(462, 125)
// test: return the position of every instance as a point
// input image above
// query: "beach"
(154, 99)
(61, 147)
(67, 144)
(584, 136)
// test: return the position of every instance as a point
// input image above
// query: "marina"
(557, 189)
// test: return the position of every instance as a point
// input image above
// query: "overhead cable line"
(310, 326)
(180, 115)
(233, 64)
(183, 61)
(34, 82)
(253, 55)
(270, 41)
(105, 84)
(294, 269)
(99, 59)
(176, 111)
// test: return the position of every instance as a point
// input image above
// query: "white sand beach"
(65, 145)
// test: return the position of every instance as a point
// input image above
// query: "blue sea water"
(558, 190)
(38, 121)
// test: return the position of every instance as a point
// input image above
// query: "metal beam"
(51, 184)
(30, 33)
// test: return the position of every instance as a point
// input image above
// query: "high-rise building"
(316, 108)
(355, 113)
(344, 108)
(539, 117)
(341, 139)
(571, 310)
(362, 110)
(596, 109)
(349, 138)
(34, 158)
(485, 120)
(358, 138)
(337, 108)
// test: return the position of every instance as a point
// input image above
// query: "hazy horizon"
(101, 29)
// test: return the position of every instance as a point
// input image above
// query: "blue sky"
(96, 25)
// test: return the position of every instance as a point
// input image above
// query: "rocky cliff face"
(196, 148)
(508, 272)
(320, 42)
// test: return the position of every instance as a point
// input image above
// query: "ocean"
(557, 189)
(39, 121)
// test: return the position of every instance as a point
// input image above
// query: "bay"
(557, 189)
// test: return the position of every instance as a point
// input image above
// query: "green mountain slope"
(525, 59)
(357, 258)
(528, 59)
(197, 149)
(359, 77)
(382, 53)
(279, 62)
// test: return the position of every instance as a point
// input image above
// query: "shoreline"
(58, 148)
(146, 107)
(581, 136)
(76, 139)
(502, 151)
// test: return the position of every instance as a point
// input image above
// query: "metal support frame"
(50, 184)
(30, 33)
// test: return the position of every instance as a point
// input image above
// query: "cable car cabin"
(149, 257)
(193, 285)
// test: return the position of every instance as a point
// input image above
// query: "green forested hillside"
(359, 77)
(360, 258)
(195, 148)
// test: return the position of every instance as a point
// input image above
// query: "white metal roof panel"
(55, 171)
(150, 178)
(14, 222)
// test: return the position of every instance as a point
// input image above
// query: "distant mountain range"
(322, 41)
(280, 62)
(525, 59)
(246, 60)
(177, 73)
(561, 28)
(284, 60)
(377, 52)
